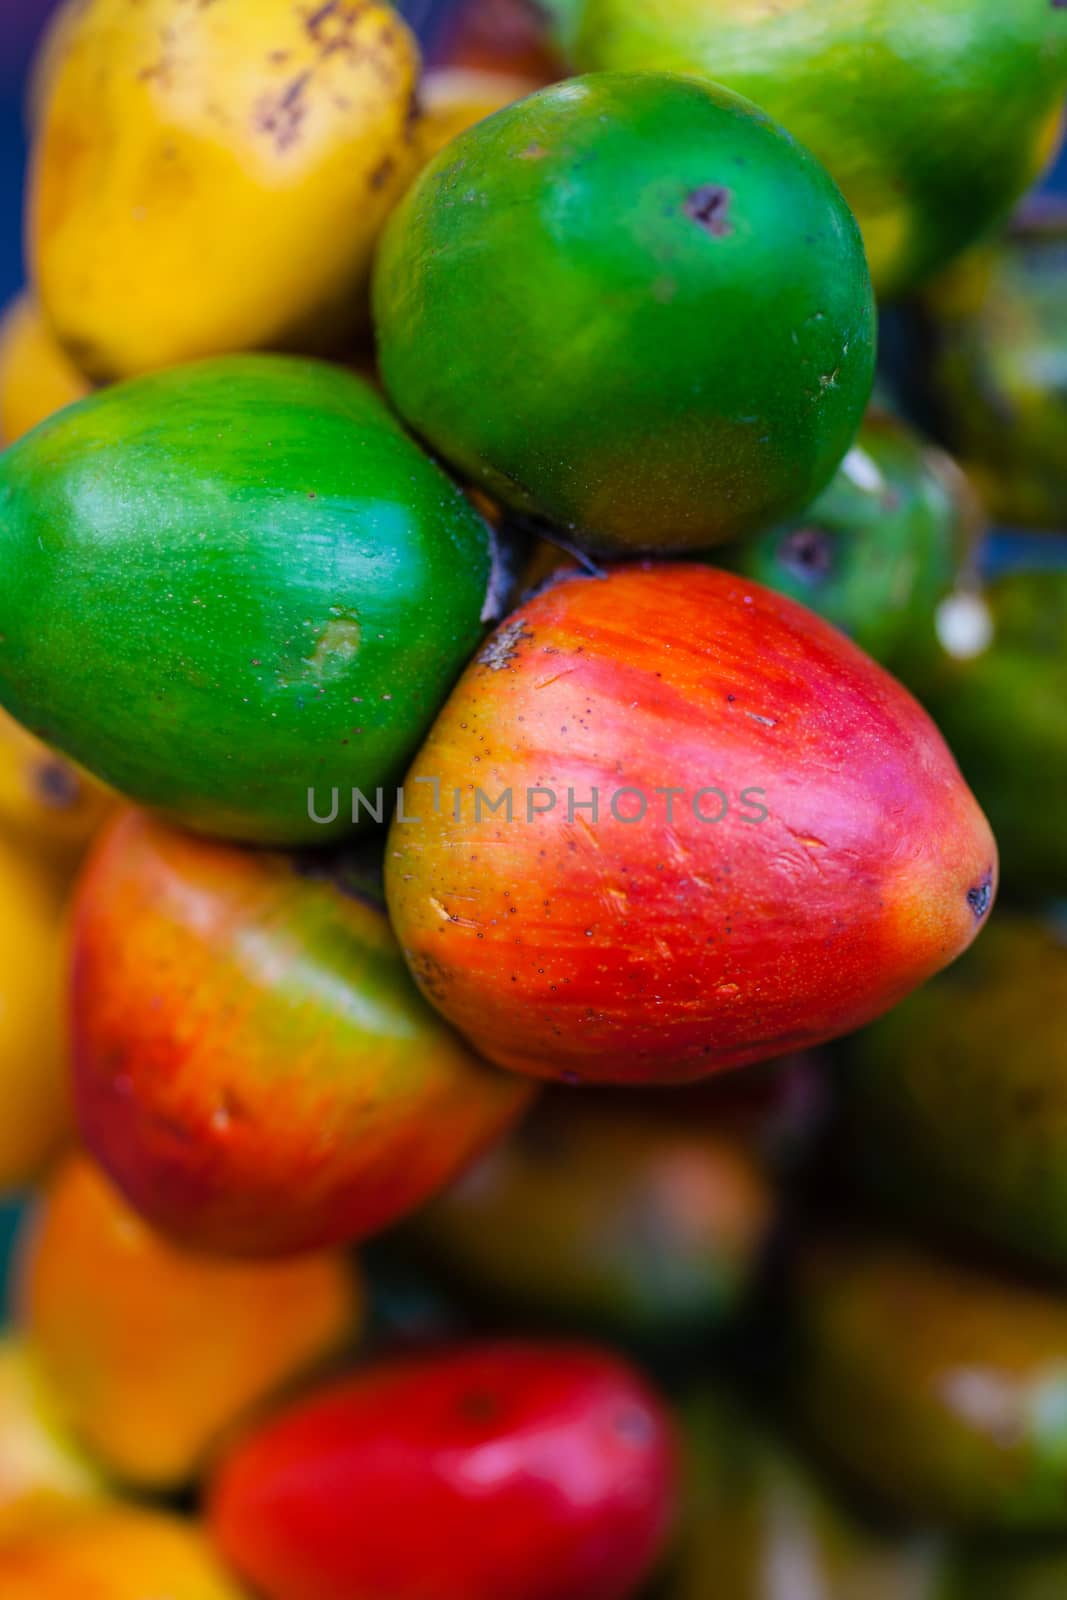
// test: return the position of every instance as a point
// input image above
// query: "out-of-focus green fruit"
(998, 377)
(940, 1389)
(934, 116)
(642, 1217)
(999, 695)
(633, 305)
(1005, 1575)
(879, 549)
(956, 1101)
(759, 1526)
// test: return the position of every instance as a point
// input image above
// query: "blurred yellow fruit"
(455, 98)
(37, 377)
(127, 1554)
(212, 178)
(47, 804)
(44, 1479)
(34, 1097)
(153, 1352)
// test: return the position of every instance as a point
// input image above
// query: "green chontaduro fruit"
(638, 1219)
(985, 1574)
(231, 584)
(940, 1389)
(632, 305)
(998, 692)
(990, 1165)
(998, 377)
(934, 116)
(758, 1524)
(879, 549)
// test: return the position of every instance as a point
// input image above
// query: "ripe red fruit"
(253, 1066)
(491, 1472)
(819, 857)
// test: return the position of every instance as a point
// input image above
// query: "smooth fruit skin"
(939, 1388)
(253, 1066)
(879, 549)
(213, 178)
(990, 1165)
(274, 588)
(35, 1115)
(48, 806)
(934, 116)
(850, 862)
(37, 377)
(153, 1353)
(598, 308)
(997, 375)
(639, 1219)
(1000, 704)
(760, 1525)
(489, 1472)
(45, 1480)
(128, 1554)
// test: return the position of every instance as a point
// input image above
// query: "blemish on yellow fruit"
(213, 178)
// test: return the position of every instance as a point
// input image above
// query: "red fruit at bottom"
(488, 1472)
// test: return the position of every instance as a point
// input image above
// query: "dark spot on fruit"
(808, 553)
(57, 785)
(282, 116)
(382, 173)
(503, 647)
(314, 22)
(478, 1405)
(980, 897)
(709, 208)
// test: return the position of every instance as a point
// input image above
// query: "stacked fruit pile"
(485, 688)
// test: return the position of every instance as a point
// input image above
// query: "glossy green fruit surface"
(633, 305)
(989, 1163)
(878, 550)
(933, 115)
(235, 591)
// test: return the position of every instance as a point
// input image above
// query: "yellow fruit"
(212, 177)
(47, 804)
(128, 1554)
(43, 1478)
(153, 1352)
(34, 1101)
(37, 377)
(455, 98)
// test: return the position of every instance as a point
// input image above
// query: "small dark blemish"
(57, 785)
(808, 553)
(382, 173)
(709, 208)
(980, 897)
(478, 1405)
